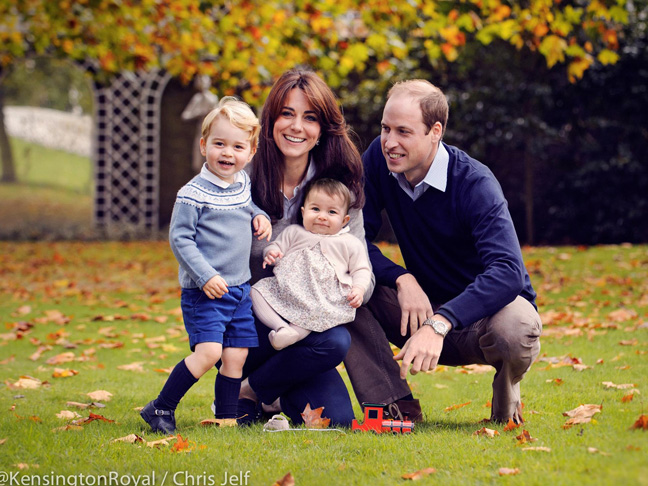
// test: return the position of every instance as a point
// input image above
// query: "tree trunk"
(8, 167)
(528, 195)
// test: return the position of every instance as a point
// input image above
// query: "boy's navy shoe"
(159, 420)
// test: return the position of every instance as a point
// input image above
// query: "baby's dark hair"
(332, 188)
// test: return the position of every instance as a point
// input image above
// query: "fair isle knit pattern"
(202, 194)
(211, 230)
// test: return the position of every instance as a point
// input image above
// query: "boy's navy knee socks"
(226, 390)
(176, 386)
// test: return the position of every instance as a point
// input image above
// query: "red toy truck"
(374, 420)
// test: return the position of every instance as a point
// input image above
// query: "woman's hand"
(262, 227)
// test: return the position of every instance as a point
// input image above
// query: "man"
(465, 296)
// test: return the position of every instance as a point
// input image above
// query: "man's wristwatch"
(439, 327)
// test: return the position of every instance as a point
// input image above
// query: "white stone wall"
(52, 128)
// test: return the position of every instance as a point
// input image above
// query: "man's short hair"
(434, 105)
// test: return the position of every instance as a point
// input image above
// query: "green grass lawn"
(113, 304)
(40, 166)
(52, 198)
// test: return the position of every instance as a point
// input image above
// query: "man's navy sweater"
(460, 244)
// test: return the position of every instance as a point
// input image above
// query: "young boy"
(211, 236)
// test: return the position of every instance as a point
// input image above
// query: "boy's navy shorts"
(227, 320)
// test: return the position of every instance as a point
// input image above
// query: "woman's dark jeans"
(301, 374)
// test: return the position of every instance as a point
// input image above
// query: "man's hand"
(271, 257)
(262, 227)
(422, 351)
(414, 303)
(215, 287)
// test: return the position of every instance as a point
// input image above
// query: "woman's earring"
(317, 143)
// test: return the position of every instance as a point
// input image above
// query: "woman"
(303, 136)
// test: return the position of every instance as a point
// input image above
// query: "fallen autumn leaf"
(641, 423)
(313, 418)
(419, 474)
(487, 432)
(287, 480)
(100, 395)
(581, 415)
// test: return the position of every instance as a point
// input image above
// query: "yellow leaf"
(64, 373)
(607, 56)
(487, 432)
(161, 442)
(66, 414)
(553, 49)
(130, 439)
(577, 67)
(137, 366)
(624, 386)
(231, 422)
(581, 415)
(25, 382)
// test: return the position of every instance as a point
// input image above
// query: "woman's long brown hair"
(335, 157)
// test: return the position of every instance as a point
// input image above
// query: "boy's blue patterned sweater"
(211, 230)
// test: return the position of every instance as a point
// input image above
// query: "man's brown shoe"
(405, 410)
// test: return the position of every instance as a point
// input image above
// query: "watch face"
(440, 327)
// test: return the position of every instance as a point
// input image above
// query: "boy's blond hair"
(238, 113)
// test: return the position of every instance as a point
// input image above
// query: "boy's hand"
(215, 287)
(271, 257)
(262, 227)
(355, 297)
